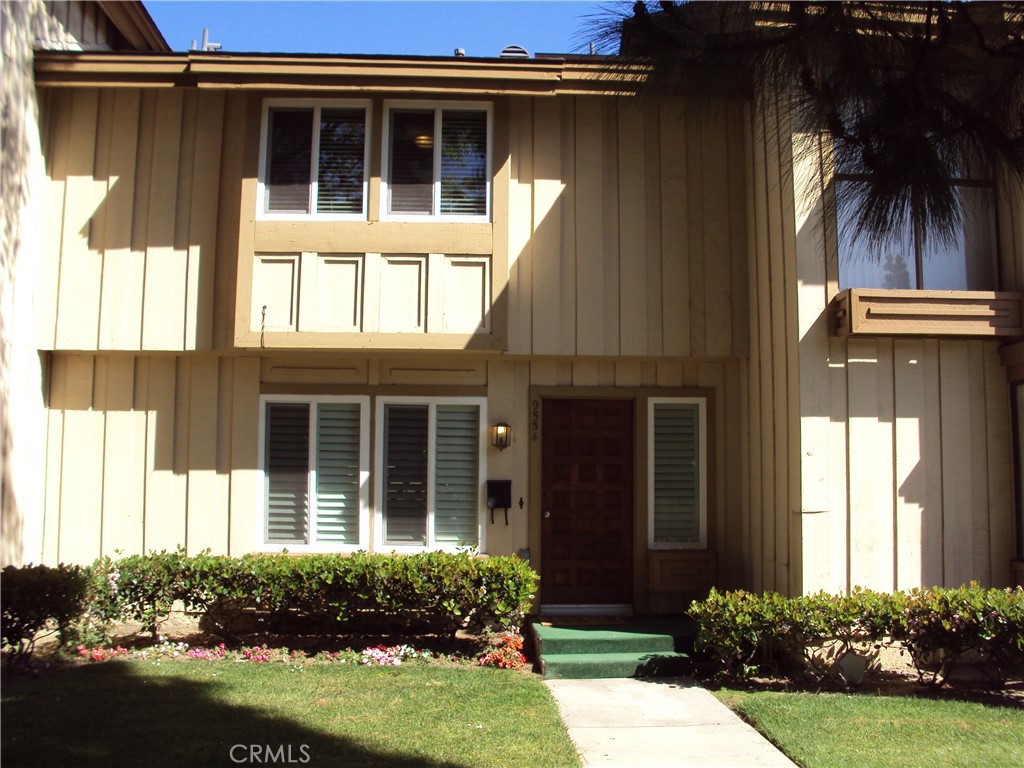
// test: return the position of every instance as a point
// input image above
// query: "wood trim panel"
(366, 341)
(373, 236)
(950, 314)
(690, 571)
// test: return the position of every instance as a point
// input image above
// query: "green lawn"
(168, 713)
(824, 730)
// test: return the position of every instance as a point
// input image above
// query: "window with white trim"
(677, 473)
(437, 161)
(431, 463)
(314, 159)
(315, 463)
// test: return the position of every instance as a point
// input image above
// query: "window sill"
(946, 314)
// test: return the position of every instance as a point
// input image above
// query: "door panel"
(587, 495)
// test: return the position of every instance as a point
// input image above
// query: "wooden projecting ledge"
(950, 314)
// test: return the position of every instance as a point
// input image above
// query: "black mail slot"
(499, 494)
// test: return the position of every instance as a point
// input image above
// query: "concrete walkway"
(658, 723)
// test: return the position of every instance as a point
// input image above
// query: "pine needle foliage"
(911, 95)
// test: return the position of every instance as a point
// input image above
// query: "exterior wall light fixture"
(501, 436)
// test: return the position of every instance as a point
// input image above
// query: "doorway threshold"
(588, 609)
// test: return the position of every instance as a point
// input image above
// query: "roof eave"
(353, 73)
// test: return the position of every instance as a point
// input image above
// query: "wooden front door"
(587, 502)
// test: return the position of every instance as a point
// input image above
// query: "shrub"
(434, 591)
(37, 598)
(943, 628)
(745, 633)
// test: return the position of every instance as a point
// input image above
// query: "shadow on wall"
(165, 721)
(905, 443)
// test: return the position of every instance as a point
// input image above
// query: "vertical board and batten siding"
(627, 229)
(905, 443)
(772, 484)
(134, 180)
(148, 453)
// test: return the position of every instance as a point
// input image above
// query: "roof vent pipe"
(514, 52)
(460, 52)
(207, 45)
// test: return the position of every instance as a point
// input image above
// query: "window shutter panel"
(457, 475)
(676, 473)
(464, 163)
(337, 473)
(411, 181)
(287, 472)
(340, 165)
(289, 158)
(405, 479)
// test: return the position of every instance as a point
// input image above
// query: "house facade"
(330, 303)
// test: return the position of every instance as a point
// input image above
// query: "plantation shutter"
(411, 181)
(457, 475)
(340, 166)
(337, 473)
(677, 471)
(289, 160)
(405, 479)
(464, 163)
(287, 470)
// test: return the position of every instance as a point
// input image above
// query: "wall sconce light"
(501, 436)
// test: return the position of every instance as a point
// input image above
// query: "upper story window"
(314, 159)
(437, 161)
(916, 260)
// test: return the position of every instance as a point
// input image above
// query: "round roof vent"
(514, 52)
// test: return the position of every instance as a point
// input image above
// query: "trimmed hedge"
(38, 598)
(330, 594)
(817, 635)
(435, 591)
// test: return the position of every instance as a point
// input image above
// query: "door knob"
(547, 514)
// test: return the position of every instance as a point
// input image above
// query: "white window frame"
(702, 478)
(380, 544)
(262, 214)
(262, 543)
(438, 107)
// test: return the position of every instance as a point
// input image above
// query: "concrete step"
(579, 666)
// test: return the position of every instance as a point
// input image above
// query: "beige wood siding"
(133, 187)
(905, 445)
(771, 487)
(148, 453)
(627, 229)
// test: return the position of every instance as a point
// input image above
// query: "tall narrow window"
(431, 473)
(405, 481)
(463, 163)
(287, 473)
(412, 161)
(437, 162)
(289, 159)
(677, 473)
(457, 474)
(315, 160)
(315, 469)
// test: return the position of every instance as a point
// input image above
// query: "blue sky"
(412, 28)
